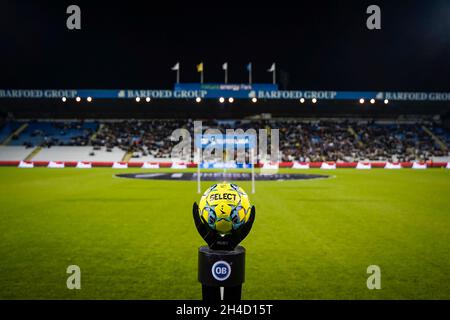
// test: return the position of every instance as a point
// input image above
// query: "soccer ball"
(224, 207)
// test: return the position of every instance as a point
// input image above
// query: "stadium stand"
(442, 134)
(148, 139)
(43, 133)
(300, 140)
(7, 129)
(14, 153)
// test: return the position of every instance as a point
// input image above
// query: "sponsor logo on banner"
(55, 165)
(25, 164)
(37, 94)
(299, 165)
(363, 166)
(417, 165)
(119, 165)
(178, 165)
(418, 96)
(149, 165)
(83, 165)
(390, 165)
(328, 166)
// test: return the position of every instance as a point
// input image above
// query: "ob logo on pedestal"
(221, 270)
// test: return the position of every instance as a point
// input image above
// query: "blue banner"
(224, 165)
(235, 140)
(215, 91)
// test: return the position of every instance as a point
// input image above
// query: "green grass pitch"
(312, 239)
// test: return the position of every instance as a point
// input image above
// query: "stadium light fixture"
(230, 99)
(77, 99)
(314, 100)
(302, 100)
(198, 99)
(361, 100)
(386, 101)
(89, 99)
(138, 99)
(254, 100)
(221, 99)
(372, 101)
(147, 99)
(64, 99)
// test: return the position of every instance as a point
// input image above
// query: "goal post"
(199, 161)
(252, 164)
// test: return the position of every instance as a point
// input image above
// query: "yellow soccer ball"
(224, 207)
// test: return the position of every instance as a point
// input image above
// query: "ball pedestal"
(221, 273)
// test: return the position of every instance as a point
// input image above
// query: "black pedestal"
(221, 273)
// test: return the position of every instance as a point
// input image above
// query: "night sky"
(316, 46)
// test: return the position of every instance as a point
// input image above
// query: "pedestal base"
(221, 273)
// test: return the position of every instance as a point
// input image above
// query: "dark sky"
(316, 44)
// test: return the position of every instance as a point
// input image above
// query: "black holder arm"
(222, 242)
